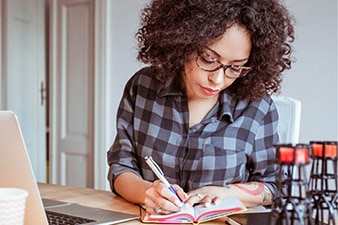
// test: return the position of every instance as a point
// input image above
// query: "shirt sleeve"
(263, 158)
(121, 157)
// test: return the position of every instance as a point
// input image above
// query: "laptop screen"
(15, 167)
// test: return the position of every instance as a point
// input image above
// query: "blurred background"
(64, 64)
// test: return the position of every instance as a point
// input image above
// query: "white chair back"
(289, 110)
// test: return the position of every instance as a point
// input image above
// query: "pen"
(159, 173)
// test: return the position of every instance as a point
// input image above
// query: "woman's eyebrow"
(213, 51)
(237, 60)
(241, 60)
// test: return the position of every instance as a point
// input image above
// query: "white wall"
(313, 78)
(123, 23)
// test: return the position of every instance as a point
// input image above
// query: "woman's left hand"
(250, 194)
(206, 195)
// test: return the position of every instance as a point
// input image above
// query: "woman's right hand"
(158, 199)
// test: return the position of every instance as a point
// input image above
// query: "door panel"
(72, 90)
(23, 63)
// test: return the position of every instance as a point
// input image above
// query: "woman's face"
(232, 48)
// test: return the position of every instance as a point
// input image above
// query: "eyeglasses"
(208, 63)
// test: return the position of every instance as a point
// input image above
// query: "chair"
(289, 110)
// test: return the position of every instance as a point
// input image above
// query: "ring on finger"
(158, 209)
(198, 196)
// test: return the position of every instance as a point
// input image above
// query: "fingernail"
(207, 204)
(179, 203)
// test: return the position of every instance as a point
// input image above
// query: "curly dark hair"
(171, 30)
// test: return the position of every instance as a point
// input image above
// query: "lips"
(210, 91)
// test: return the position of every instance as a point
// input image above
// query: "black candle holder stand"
(323, 184)
(292, 204)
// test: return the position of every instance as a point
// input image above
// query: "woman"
(202, 109)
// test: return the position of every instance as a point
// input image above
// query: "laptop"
(16, 171)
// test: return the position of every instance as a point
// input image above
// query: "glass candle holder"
(292, 205)
(323, 182)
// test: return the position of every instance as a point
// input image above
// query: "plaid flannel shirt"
(232, 144)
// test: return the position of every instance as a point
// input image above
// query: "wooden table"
(96, 198)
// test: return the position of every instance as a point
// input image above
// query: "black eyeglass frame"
(225, 67)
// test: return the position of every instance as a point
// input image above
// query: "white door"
(23, 73)
(72, 92)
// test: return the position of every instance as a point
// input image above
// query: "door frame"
(100, 95)
(101, 112)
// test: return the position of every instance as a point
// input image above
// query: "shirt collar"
(227, 106)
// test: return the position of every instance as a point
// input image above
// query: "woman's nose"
(217, 77)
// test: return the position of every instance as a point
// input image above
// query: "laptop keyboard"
(59, 219)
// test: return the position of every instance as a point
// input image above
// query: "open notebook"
(16, 171)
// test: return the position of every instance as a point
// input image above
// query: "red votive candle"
(286, 154)
(317, 148)
(302, 154)
(330, 149)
